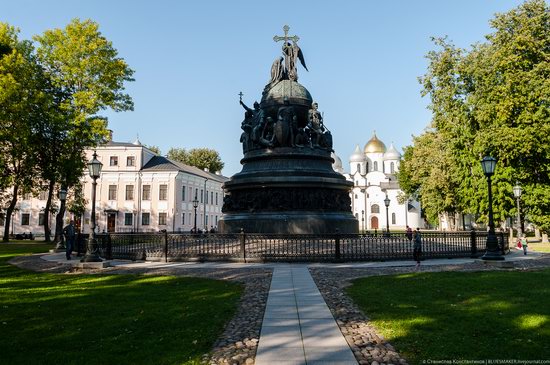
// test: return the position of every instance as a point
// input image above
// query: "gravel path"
(239, 341)
(368, 346)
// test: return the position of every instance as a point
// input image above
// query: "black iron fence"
(244, 247)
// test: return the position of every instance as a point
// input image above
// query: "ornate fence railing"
(298, 248)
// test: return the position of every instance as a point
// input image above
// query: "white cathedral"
(373, 173)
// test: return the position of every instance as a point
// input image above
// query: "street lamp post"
(195, 205)
(387, 204)
(62, 194)
(493, 252)
(92, 255)
(517, 193)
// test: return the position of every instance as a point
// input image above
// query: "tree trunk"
(47, 212)
(59, 221)
(9, 213)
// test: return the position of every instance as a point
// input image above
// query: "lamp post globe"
(62, 195)
(517, 194)
(493, 252)
(387, 204)
(195, 205)
(92, 251)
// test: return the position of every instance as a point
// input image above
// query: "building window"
(355, 196)
(393, 218)
(211, 197)
(128, 219)
(375, 166)
(131, 161)
(146, 195)
(163, 192)
(113, 161)
(183, 219)
(145, 217)
(206, 221)
(25, 218)
(43, 195)
(190, 193)
(206, 197)
(183, 193)
(112, 192)
(41, 219)
(162, 219)
(359, 168)
(129, 192)
(216, 198)
(202, 195)
(367, 166)
(374, 208)
(2, 219)
(392, 168)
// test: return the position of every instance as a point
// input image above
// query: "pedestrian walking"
(417, 247)
(524, 244)
(70, 234)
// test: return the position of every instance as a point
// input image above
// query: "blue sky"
(192, 58)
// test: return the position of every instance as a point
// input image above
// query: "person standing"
(417, 247)
(524, 244)
(70, 234)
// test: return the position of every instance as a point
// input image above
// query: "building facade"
(373, 172)
(137, 191)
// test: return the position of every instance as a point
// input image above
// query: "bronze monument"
(287, 184)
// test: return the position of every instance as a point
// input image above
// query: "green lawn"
(539, 247)
(107, 319)
(469, 316)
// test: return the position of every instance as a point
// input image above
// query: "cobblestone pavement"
(368, 346)
(239, 341)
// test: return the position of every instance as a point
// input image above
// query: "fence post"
(473, 242)
(109, 247)
(242, 237)
(165, 246)
(337, 248)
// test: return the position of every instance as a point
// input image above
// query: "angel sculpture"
(291, 52)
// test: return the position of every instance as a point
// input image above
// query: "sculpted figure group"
(260, 131)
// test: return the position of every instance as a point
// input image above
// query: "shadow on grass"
(472, 316)
(110, 319)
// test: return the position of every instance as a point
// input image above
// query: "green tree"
(22, 102)
(198, 157)
(491, 100)
(87, 77)
(178, 154)
(155, 149)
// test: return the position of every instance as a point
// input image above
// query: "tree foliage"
(491, 100)
(50, 100)
(23, 103)
(198, 157)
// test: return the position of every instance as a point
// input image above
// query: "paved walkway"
(298, 328)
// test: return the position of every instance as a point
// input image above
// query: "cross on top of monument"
(286, 37)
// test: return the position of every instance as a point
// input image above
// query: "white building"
(373, 172)
(138, 190)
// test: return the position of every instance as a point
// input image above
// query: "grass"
(107, 319)
(468, 316)
(539, 247)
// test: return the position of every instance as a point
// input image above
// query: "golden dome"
(374, 145)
